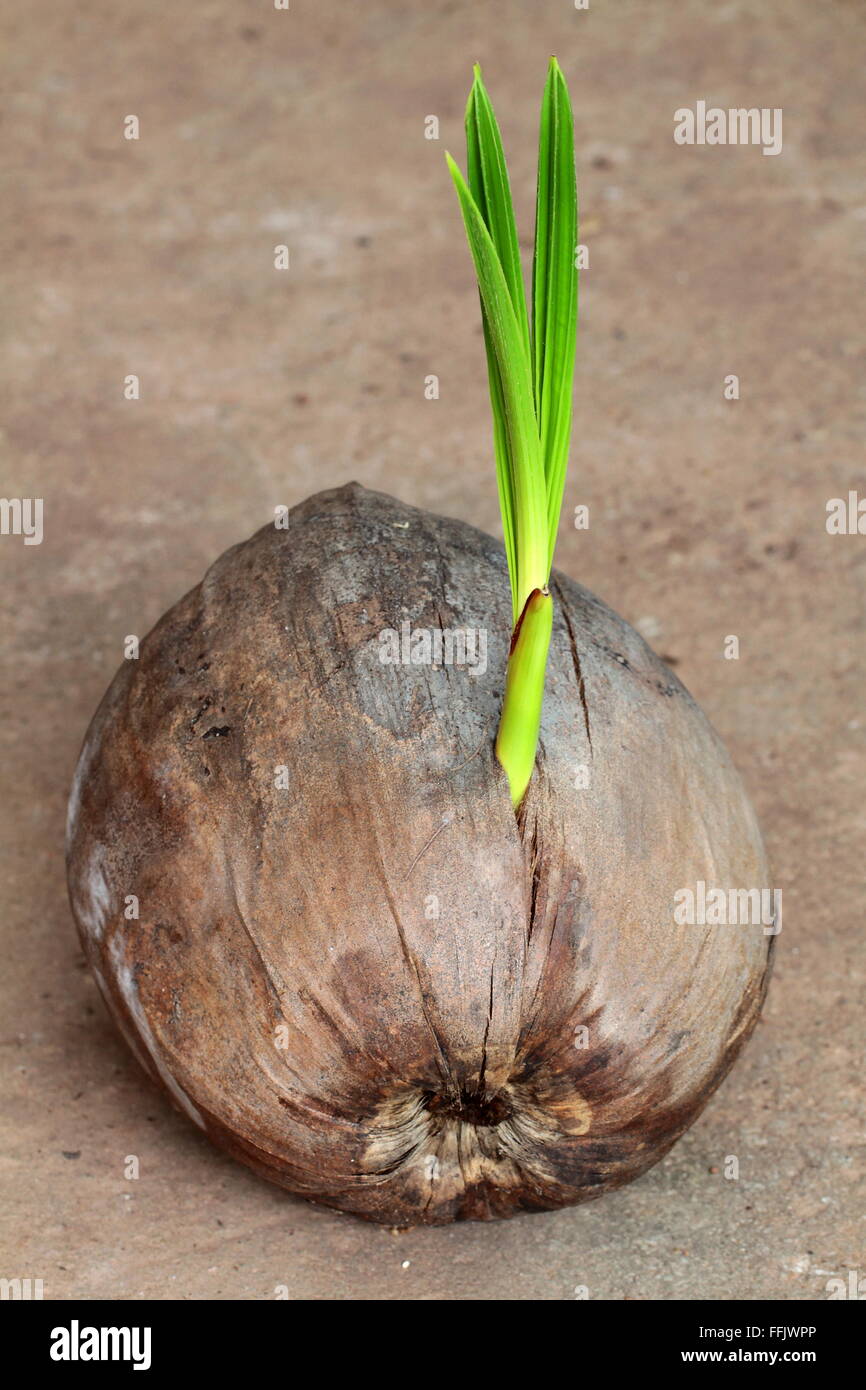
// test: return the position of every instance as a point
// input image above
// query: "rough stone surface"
(258, 388)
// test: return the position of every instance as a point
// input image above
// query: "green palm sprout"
(530, 361)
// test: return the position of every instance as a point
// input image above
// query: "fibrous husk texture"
(352, 965)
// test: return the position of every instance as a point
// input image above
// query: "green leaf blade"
(487, 176)
(490, 187)
(554, 290)
(504, 470)
(511, 357)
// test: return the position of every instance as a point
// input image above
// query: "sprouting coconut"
(380, 935)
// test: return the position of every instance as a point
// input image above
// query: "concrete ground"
(155, 258)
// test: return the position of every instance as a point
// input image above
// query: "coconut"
(303, 890)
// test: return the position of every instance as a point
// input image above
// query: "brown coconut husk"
(362, 975)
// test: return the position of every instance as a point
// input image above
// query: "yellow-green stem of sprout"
(517, 739)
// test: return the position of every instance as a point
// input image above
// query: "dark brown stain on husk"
(353, 967)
